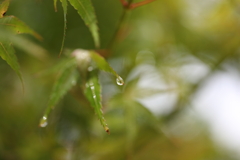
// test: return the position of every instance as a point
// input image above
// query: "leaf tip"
(55, 5)
(4, 7)
(107, 130)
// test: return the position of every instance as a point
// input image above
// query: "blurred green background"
(159, 45)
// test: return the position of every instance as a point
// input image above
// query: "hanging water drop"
(43, 122)
(120, 81)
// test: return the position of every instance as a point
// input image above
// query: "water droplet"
(43, 122)
(120, 81)
(90, 68)
(94, 96)
(92, 87)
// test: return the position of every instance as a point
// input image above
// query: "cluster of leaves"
(81, 59)
(83, 65)
(11, 25)
(157, 50)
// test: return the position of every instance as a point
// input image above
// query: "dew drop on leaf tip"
(120, 81)
(43, 122)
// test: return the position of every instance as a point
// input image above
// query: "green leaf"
(7, 53)
(61, 65)
(66, 80)
(4, 7)
(24, 44)
(86, 11)
(17, 26)
(64, 5)
(93, 94)
(102, 64)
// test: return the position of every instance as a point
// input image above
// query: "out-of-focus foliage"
(157, 52)
(12, 23)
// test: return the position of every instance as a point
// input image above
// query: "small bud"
(81, 55)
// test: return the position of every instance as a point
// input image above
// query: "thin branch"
(114, 38)
(124, 3)
(135, 5)
(127, 5)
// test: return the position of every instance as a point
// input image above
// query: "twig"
(138, 4)
(127, 5)
(124, 3)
